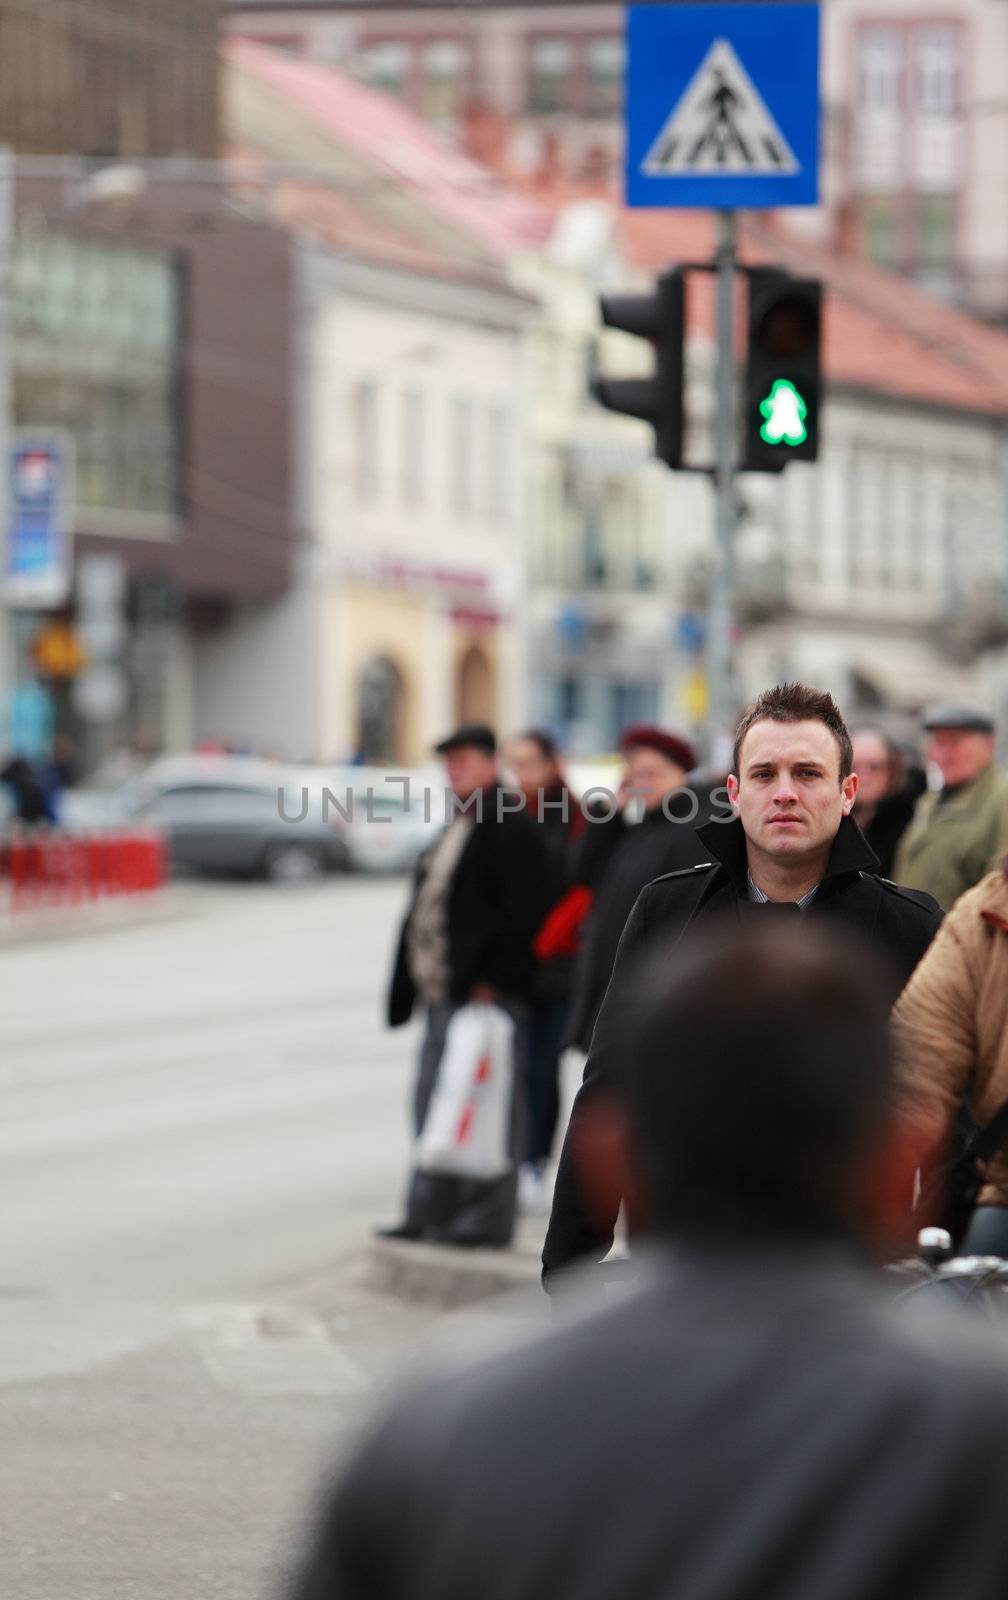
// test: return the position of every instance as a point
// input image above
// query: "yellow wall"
(381, 624)
(487, 707)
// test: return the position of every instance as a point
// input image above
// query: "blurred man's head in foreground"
(758, 1094)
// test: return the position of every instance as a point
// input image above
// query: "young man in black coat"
(480, 895)
(792, 849)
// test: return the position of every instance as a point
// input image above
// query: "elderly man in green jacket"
(959, 830)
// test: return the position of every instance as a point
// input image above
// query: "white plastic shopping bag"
(465, 1132)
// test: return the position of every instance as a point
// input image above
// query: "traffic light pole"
(721, 611)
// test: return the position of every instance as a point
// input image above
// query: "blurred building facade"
(915, 133)
(881, 570)
(176, 392)
(533, 87)
(415, 399)
(407, 613)
(916, 142)
(106, 78)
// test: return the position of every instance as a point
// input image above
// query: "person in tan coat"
(952, 1025)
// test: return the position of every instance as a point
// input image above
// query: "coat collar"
(995, 907)
(726, 841)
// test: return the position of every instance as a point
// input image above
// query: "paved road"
(199, 1115)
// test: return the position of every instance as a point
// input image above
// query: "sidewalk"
(106, 915)
(429, 1278)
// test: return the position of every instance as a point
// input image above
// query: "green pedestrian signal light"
(783, 370)
(785, 412)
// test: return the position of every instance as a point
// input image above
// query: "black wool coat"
(889, 824)
(502, 887)
(900, 923)
(617, 860)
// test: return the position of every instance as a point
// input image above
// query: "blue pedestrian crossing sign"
(722, 106)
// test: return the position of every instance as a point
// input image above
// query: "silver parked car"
(244, 829)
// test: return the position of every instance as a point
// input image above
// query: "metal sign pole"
(722, 600)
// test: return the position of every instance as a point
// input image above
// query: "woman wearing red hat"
(651, 832)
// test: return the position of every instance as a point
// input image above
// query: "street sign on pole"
(40, 518)
(722, 106)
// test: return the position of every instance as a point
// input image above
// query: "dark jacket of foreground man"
(751, 1424)
(900, 922)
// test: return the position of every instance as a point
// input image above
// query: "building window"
(386, 66)
(550, 63)
(935, 217)
(570, 700)
(880, 68)
(462, 457)
(445, 72)
(604, 59)
(880, 223)
(411, 449)
(596, 570)
(364, 425)
(630, 702)
(95, 350)
(498, 443)
(936, 70)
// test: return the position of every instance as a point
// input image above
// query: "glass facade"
(96, 348)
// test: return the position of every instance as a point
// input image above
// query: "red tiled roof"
(879, 331)
(472, 197)
(335, 218)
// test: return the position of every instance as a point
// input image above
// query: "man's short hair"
(757, 1071)
(796, 702)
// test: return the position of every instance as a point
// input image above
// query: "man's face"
(532, 770)
(468, 770)
(873, 767)
(787, 792)
(961, 754)
(652, 776)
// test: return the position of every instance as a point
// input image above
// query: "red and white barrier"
(51, 869)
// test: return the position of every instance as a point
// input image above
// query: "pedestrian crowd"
(536, 900)
(784, 1042)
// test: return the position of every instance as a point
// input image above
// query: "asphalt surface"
(204, 1119)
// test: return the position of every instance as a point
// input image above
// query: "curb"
(102, 916)
(430, 1276)
(446, 1276)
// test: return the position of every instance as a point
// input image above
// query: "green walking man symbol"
(785, 413)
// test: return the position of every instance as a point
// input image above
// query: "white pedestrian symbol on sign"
(720, 125)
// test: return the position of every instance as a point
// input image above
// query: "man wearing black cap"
(479, 898)
(650, 830)
(791, 851)
(960, 830)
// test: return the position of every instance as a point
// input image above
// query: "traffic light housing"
(661, 318)
(783, 378)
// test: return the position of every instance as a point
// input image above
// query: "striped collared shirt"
(758, 898)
